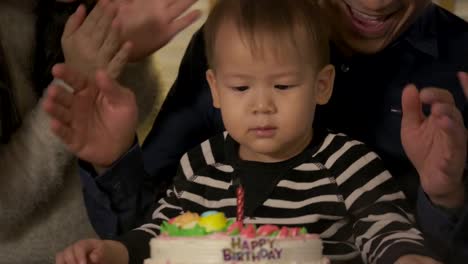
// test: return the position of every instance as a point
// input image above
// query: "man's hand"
(93, 42)
(97, 122)
(436, 144)
(151, 24)
(93, 251)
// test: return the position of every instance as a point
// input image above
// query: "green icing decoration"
(169, 229)
(173, 230)
(274, 234)
(229, 223)
(235, 232)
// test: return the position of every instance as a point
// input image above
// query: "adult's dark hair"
(51, 19)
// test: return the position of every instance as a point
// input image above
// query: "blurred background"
(459, 7)
(166, 61)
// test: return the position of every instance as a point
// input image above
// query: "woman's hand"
(94, 42)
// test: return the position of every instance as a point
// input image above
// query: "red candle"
(240, 203)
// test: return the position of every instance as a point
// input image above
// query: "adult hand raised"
(436, 144)
(97, 122)
(151, 24)
(93, 42)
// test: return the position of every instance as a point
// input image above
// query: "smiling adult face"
(368, 26)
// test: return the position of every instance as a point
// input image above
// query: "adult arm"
(32, 165)
(445, 229)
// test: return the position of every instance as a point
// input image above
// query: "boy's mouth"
(264, 131)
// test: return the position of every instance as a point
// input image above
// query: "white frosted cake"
(211, 239)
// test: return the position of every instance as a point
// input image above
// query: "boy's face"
(368, 26)
(267, 102)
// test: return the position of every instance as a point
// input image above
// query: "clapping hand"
(97, 122)
(436, 144)
(151, 24)
(94, 42)
(97, 119)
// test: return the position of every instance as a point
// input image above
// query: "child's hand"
(416, 259)
(94, 42)
(93, 251)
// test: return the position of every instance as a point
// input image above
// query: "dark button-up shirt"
(366, 105)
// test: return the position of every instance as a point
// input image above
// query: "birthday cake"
(211, 238)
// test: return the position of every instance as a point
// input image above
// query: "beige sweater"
(41, 204)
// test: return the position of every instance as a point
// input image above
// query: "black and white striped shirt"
(337, 188)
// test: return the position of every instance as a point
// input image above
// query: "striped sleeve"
(137, 240)
(383, 228)
(178, 197)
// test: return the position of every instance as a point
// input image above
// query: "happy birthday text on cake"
(252, 250)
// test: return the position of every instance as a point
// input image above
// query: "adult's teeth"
(365, 16)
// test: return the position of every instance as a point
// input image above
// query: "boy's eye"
(240, 88)
(283, 86)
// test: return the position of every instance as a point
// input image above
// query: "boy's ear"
(324, 84)
(210, 77)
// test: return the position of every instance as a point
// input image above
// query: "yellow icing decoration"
(213, 222)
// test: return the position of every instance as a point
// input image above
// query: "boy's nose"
(263, 103)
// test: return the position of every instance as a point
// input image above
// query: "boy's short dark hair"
(293, 24)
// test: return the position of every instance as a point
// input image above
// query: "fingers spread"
(65, 86)
(63, 132)
(64, 72)
(112, 43)
(100, 32)
(177, 8)
(74, 22)
(57, 111)
(411, 107)
(185, 21)
(120, 59)
(59, 96)
(91, 21)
